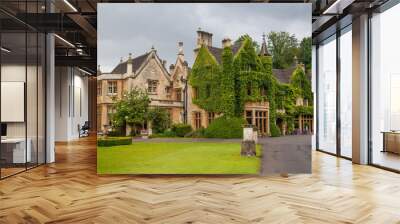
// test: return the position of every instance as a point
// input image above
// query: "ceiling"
(75, 21)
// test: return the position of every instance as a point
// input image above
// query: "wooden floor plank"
(70, 191)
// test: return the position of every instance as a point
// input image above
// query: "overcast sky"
(134, 28)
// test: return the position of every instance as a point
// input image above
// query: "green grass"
(176, 158)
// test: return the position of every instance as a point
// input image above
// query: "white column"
(360, 90)
(314, 90)
(50, 100)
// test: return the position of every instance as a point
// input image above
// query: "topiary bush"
(225, 127)
(107, 142)
(181, 129)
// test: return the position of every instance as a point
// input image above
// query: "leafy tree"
(132, 109)
(159, 118)
(304, 53)
(283, 48)
(242, 37)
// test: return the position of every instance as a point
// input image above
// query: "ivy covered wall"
(247, 77)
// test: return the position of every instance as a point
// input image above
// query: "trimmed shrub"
(115, 133)
(225, 127)
(199, 133)
(169, 133)
(107, 142)
(275, 131)
(181, 129)
(166, 134)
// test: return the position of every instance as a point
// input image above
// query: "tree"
(132, 109)
(283, 48)
(242, 37)
(304, 53)
(159, 118)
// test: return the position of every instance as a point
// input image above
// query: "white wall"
(71, 103)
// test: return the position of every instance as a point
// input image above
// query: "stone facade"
(146, 72)
(169, 88)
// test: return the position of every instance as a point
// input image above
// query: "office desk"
(13, 150)
(391, 142)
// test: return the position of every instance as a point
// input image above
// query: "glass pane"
(327, 95)
(13, 86)
(346, 92)
(385, 86)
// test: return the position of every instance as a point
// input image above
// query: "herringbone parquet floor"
(69, 191)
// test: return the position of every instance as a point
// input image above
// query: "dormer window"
(152, 86)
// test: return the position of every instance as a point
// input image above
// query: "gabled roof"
(283, 75)
(217, 52)
(121, 68)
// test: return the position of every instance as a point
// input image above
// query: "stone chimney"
(226, 42)
(164, 62)
(204, 38)
(171, 68)
(180, 48)
(98, 70)
(129, 68)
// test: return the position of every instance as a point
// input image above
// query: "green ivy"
(247, 77)
(300, 81)
(304, 110)
(204, 76)
(227, 84)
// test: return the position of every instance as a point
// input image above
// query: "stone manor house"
(169, 87)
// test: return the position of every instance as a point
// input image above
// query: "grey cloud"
(135, 28)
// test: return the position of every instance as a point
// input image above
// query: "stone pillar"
(248, 147)
(149, 128)
(253, 117)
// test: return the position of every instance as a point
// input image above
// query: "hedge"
(181, 129)
(225, 127)
(107, 142)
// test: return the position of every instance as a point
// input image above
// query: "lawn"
(176, 158)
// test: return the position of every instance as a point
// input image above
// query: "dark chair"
(84, 130)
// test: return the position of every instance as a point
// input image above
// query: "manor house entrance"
(257, 114)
